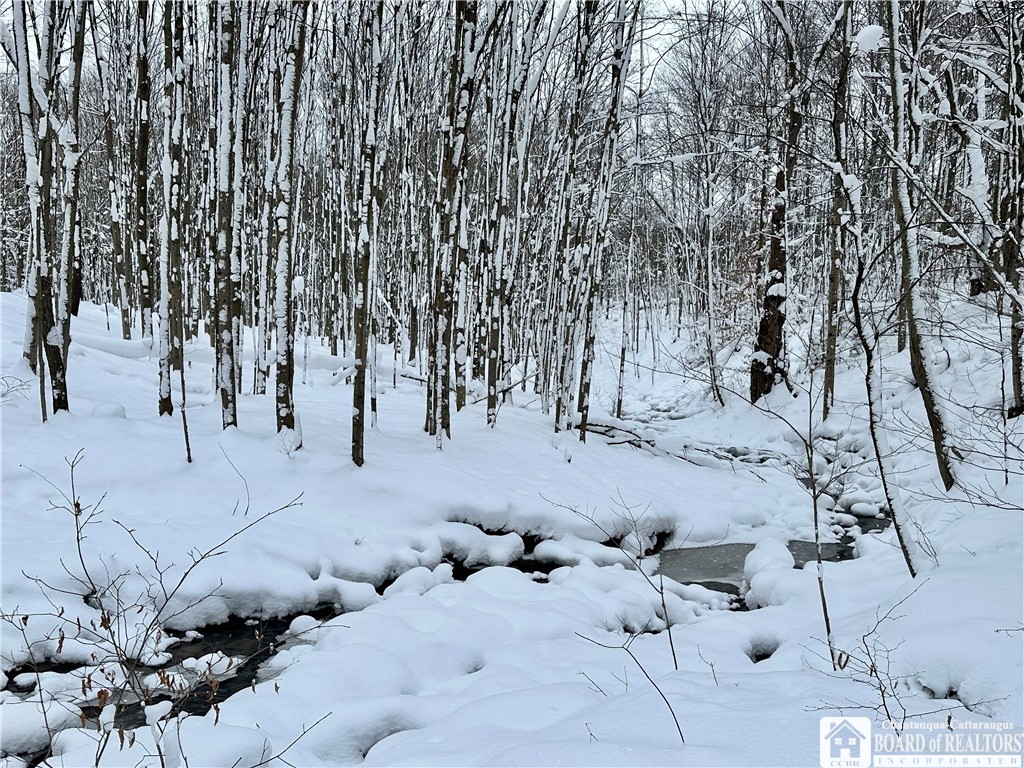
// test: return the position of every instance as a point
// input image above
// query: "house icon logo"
(845, 742)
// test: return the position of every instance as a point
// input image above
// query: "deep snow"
(423, 668)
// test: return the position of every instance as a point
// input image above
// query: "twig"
(709, 663)
(636, 661)
(240, 477)
(292, 743)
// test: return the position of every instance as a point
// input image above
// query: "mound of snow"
(108, 411)
(769, 554)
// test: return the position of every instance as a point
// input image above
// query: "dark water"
(720, 566)
(251, 641)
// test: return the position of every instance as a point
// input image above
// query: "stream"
(250, 642)
(720, 566)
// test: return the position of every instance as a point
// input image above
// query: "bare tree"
(623, 28)
(366, 220)
(37, 82)
(140, 223)
(910, 148)
(170, 309)
(284, 179)
(224, 320)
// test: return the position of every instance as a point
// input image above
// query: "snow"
(768, 555)
(157, 712)
(869, 39)
(484, 592)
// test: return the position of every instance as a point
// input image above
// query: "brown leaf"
(216, 713)
(102, 697)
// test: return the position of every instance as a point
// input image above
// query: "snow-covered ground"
(437, 660)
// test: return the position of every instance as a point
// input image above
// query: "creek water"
(720, 566)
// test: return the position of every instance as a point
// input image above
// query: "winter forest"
(511, 382)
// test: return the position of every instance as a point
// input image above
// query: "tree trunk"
(367, 226)
(170, 309)
(769, 367)
(44, 337)
(904, 211)
(623, 26)
(141, 165)
(224, 165)
(840, 116)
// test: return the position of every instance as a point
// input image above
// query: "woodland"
(572, 282)
(473, 184)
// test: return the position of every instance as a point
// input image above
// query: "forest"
(434, 344)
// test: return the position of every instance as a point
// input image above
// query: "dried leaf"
(102, 697)
(120, 735)
(216, 713)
